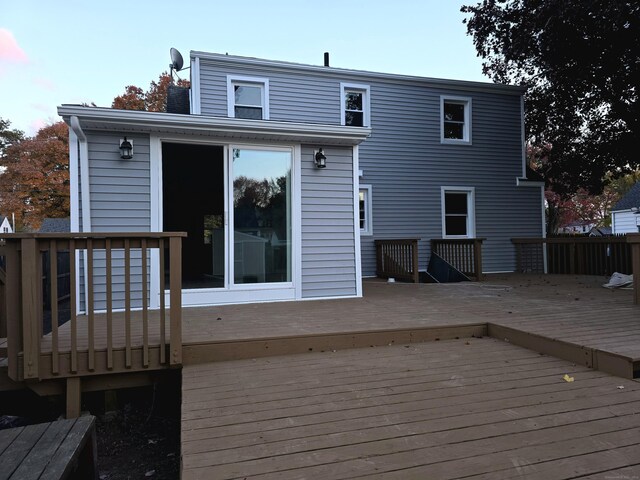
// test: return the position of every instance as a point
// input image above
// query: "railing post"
(31, 306)
(634, 240)
(13, 308)
(415, 261)
(175, 299)
(477, 257)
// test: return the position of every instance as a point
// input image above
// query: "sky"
(72, 51)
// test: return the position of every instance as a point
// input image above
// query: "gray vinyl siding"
(120, 196)
(404, 160)
(328, 238)
(406, 164)
(292, 97)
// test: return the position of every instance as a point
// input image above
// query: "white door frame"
(247, 293)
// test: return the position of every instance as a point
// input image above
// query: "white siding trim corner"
(194, 91)
(523, 139)
(296, 201)
(356, 219)
(155, 176)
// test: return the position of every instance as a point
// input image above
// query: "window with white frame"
(354, 102)
(248, 97)
(455, 119)
(364, 203)
(458, 212)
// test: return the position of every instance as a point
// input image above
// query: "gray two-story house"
(283, 175)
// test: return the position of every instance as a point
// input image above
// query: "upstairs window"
(458, 212)
(455, 119)
(354, 100)
(248, 97)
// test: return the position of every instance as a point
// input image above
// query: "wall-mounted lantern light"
(126, 149)
(320, 159)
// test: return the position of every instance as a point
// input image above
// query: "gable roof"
(630, 200)
(55, 225)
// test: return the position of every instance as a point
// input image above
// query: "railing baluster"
(145, 306)
(53, 268)
(109, 280)
(127, 302)
(91, 360)
(73, 320)
(163, 344)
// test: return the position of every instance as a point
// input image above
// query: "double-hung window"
(458, 212)
(455, 119)
(354, 103)
(364, 208)
(248, 97)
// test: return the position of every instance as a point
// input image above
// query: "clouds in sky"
(10, 51)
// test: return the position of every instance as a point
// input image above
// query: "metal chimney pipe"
(326, 59)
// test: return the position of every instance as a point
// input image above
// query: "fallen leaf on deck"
(567, 378)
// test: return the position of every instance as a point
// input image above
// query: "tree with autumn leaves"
(34, 171)
(34, 183)
(153, 100)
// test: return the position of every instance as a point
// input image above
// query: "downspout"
(74, 123)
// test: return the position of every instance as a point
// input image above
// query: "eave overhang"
(220, 128)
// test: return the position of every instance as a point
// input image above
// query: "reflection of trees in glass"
(261, 204)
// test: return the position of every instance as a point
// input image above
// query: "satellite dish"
(176, 60)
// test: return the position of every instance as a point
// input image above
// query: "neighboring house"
(55, 225)
(625, 215)
(600, 231)
(406, 157)
(579, 227)
(5, 225)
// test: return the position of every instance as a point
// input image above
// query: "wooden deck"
(467, 408)
(552, 313)
(572, 317)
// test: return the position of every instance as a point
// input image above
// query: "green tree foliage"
(581, 63)
(8, 136)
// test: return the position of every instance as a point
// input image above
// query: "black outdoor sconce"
(126, 149)
(320, 159)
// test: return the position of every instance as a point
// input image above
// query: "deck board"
(445, 409)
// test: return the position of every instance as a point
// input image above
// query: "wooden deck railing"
(397, 259)
(110, 279)
(465, 254)
(633, 239)
(573, 255)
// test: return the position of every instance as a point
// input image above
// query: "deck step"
(624, 366)
(218, 351)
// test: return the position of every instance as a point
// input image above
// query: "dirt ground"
(141, 438)
(138, 436)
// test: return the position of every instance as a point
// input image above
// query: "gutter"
(201, 124)
(74, 123)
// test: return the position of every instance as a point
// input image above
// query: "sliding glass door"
(260, 215)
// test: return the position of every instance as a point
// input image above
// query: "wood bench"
(64, 449)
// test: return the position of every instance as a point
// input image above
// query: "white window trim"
(368, 217)
(471, 210)
(366, 103)
(466, 101)
(231, 96)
